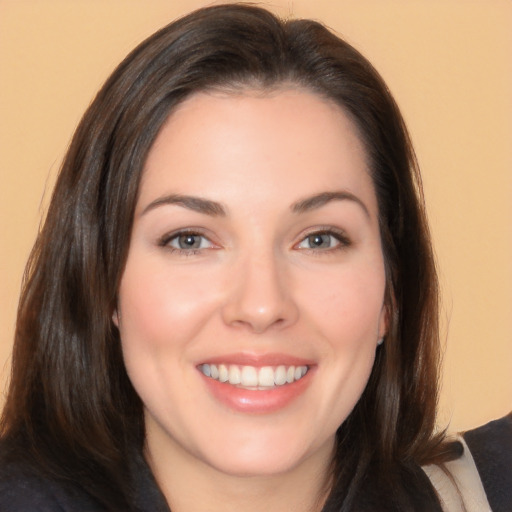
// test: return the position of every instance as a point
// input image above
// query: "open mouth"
(252, 377)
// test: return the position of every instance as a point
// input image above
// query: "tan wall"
(446, 61)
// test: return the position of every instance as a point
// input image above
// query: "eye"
(186, 242)
(324, 240)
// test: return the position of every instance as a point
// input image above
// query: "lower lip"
(257, 401)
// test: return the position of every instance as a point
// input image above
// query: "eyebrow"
(197, 204)
(321, 199)
(215, 209)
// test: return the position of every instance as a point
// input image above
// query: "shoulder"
(23, 490)
(491, 448)
(481, 478)
(458, 484)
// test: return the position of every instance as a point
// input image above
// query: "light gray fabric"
(458, 484)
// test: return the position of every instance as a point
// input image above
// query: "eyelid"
(164, 240)
(339, 234)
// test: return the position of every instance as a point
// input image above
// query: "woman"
(233, 301)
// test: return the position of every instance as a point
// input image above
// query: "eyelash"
(340, 237)
(166, 240)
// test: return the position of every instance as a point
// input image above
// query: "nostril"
(259, 299)
(259, 325)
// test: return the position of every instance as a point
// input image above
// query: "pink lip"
(258, 401)
(258, 360)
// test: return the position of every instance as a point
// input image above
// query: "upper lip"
(259, 360)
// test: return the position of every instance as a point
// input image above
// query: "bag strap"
(458, 484)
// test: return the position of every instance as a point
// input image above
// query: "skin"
(258, 283)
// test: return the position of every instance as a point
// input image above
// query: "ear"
(115, 318)
(383, 322)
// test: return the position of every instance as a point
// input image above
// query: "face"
(251, 303)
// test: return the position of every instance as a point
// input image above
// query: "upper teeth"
(252, 377)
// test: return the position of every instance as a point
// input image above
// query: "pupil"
(318, 240)
(188, 241)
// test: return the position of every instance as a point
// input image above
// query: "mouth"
(252, 377)
(257, 384)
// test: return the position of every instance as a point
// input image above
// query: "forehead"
(220, 144)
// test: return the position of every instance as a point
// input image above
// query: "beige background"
(448, 63)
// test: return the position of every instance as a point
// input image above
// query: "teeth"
(280, 376)
(249, 376)
(266, 377)
(235, 376)
(223, 372)
(252, 377)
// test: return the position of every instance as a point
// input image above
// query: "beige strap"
(465, 493)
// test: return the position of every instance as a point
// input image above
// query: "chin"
(257, 464)
(265, 456)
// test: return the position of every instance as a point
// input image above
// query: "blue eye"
(323, 240)
(187, 242)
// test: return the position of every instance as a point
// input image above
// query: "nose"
(260, 296)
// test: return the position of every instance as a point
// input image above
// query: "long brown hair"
(71, 408)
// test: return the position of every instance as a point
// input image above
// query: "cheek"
(162, 307)
(348, 305)
(160, 314)
(346, 308)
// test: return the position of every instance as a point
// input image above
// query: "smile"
(254, 378)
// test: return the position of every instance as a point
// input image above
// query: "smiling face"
(251, 303)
